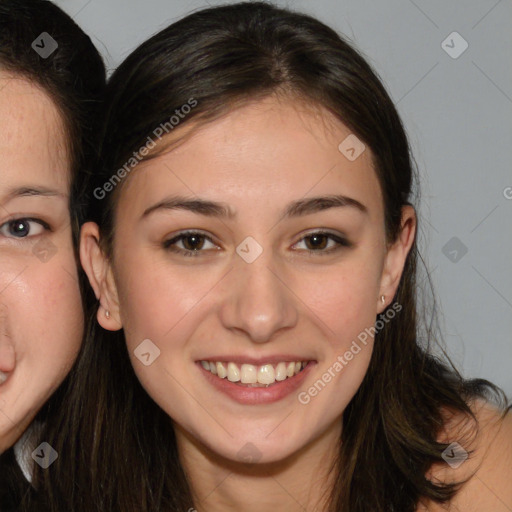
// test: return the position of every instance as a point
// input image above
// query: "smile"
(252, 375)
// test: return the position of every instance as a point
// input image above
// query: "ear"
(99, 271)
(395, 257)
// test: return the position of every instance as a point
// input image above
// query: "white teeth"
(221, 371)
(265, 374)
(3, 377)
(281, 371)
(249, 374)
(233, 372)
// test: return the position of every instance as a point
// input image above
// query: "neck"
(302, 481)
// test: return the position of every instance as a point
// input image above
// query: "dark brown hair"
(118, 450)
(73, 76)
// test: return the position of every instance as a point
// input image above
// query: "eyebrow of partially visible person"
(298, 208)
(31, 190)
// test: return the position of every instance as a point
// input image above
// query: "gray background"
(458, 115)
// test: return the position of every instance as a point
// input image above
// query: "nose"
(259, 302)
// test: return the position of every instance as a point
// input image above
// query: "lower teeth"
(255, 385)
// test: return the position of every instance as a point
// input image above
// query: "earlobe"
(397, 255)
(97, 267)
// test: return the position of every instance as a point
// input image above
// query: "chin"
(252, 447)
(256, 451)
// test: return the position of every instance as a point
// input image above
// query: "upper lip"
(257, 361)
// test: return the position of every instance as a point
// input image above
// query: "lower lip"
(252, 396)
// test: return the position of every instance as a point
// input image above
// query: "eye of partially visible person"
(23, 228)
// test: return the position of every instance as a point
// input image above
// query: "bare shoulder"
(488, 466)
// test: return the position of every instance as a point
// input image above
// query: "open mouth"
(249, 375)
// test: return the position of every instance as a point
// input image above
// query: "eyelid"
(322, 231)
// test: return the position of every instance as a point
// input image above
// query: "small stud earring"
(107, 313)
(383, 299)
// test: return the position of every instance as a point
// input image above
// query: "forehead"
(262, 152)
(32, 135)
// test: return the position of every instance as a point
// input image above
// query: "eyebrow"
(294, 209)
(28, 191)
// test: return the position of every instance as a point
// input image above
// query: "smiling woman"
(49, 90)
(262, 252)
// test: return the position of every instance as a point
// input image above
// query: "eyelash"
(24, 219)
(342, 242)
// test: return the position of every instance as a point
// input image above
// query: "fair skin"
(41, 319)
(286, 305)
(488, 467)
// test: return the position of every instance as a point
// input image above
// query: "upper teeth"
(250, 374)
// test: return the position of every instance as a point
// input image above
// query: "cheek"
(156, 299)
(47, 314)
(42, 328)
(344, 298)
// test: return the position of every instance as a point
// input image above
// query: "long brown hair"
(117, 447)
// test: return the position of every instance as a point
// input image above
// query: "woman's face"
(41, 319)
(264, 291)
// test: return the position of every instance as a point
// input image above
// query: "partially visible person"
(52, 80)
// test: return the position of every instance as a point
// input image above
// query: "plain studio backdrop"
(448, 68)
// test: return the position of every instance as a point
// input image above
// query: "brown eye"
(318, 242)
(192, 242)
